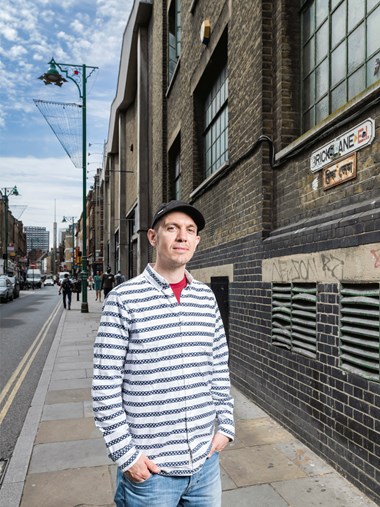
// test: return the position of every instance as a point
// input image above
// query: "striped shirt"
(161, 383)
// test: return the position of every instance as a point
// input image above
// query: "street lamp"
(78, 76)
(71, 221)
(6, 192)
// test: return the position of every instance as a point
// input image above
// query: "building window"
(175, 170)
(360, 329)
(340, 54)
(117, 251)
(216, 124)
(132, 245)
(174, 38)
(294, 317)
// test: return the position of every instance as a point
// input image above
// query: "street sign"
(352, 140)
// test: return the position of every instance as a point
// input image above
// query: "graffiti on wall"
(376, 256)
(359, 263)
(302, 270)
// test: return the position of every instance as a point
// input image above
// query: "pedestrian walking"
(161, 388)
(66, 289)
(108, 281)
(98, 286)
(119, 278)
(78, 285)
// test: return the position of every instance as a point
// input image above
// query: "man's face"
(175, 240)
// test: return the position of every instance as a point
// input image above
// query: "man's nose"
(182, 234)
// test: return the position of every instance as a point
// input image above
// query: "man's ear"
(152, 237)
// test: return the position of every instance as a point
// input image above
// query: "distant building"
(37, 238)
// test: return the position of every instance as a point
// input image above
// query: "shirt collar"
(159, 281)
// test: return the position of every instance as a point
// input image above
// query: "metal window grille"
(360, 329)
(294, 324)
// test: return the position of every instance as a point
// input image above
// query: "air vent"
(294, 308)
(360, 329)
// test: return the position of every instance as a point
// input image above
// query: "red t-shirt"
(177, 288)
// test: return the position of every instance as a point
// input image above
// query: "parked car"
(16, 286)
(6, 289)
(49, 280)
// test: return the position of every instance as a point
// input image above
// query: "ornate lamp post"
(78, 74)
(71, 221)
(6, 192)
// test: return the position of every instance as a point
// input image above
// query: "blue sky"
(31, 33)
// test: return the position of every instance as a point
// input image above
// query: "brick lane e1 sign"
(353, 140)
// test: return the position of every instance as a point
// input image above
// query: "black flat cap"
(185, 207)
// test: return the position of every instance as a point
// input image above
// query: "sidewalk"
(60, 459)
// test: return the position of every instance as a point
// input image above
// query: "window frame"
(215, 108)
(175, 169)
(311, 108)
(174, 37)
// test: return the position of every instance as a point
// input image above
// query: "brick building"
(265, 115)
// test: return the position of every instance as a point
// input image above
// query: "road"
(27, 328)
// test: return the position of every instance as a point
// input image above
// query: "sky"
(31, 157)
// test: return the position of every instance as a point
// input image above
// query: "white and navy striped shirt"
(161, 380)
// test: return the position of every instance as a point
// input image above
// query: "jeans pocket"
(126, 476)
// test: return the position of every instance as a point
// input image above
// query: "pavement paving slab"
(69, 454)
(84, 487)
(254, 496)
(330, 490)
(68, 365)
(66, 430)
(261, 431)
(76, 383)
(258, 465)
(304, 457)
(71, 374)
(68, 395)
(63, 411)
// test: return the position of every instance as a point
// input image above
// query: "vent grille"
(294, 322)
(360, 329)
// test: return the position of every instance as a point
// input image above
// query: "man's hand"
(219, 442)
(142, 469)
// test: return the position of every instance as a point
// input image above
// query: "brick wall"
(333, 411)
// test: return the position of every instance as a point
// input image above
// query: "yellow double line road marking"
(20, 373)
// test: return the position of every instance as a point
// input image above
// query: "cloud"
(16, 51)
(3, 115)
(9, 33)
(49, 188)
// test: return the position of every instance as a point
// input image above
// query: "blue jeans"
(203, 489)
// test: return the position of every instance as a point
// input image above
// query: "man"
(119, 278)
(67, 289)
(161, 390)
(108, 281)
